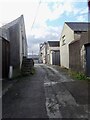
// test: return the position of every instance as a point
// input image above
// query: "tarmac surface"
(49, 93)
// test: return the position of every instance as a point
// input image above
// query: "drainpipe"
(10, 72)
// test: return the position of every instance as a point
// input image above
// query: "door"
(5, 58)
(56, 58)
(53, 58)
(88, 60)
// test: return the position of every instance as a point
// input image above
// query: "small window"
(77, 32)
(63, 40)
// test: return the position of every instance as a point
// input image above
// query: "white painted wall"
(64, 49)
(54, 48)
(43, 51)
(48, 53)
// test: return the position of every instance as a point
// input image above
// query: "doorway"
(87, 59)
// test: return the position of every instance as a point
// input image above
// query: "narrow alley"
(49, 93)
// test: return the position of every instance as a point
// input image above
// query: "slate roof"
(4, 30)
(54, 43)
(78, 26)
(4, 33)
(18, 20)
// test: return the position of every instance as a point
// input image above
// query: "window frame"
(63, 40)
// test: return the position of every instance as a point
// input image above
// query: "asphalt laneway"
(49, 93)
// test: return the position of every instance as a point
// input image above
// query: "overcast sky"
(50, 17)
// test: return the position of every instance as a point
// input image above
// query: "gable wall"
(64, 49)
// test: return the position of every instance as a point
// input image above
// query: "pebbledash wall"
(0, 58)
(4, 53)
(18, 42)
(71, 33)
(77, 54)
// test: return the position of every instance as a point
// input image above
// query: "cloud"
(84, 11)
(81, 18)
(82, 14)
(48, 10)
(10, 10)
(50, 33)
(33, 48)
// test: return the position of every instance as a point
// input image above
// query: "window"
(63, 40)
(77, 32)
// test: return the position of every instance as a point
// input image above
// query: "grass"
(78, 75)
(33, 71)
(73, 74)
(17, 74)
(28, 73)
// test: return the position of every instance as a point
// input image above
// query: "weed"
(78, 75)
(33, 71)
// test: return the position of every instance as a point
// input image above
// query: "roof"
(18, 20)
(74, 41)
(4, 30)
(42, 45)
(54, 43)
(56, 50)
(78, 26)
(4, 33)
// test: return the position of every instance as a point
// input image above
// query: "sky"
(44, 19)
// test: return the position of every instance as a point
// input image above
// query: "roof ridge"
(78, 26)
(12, 22)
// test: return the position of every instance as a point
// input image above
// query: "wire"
(35, 15)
